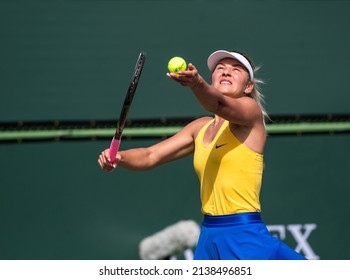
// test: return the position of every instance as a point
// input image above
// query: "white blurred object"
(170, 241)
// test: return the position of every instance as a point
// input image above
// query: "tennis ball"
(177, 64)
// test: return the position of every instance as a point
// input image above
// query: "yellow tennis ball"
(177, 64)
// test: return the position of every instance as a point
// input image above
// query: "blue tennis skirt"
(241, 236)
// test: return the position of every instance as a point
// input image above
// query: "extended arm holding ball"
(207, 95)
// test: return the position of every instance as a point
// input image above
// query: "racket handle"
(113, 149)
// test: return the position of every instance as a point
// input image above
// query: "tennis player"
(228, 159)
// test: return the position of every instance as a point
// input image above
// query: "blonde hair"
(256, 93)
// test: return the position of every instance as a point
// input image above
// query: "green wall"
(56, 203)
(72, 60)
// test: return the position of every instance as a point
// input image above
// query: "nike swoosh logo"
(218, 146)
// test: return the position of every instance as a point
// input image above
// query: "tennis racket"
(114, 147)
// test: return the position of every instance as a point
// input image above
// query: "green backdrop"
(56, 203)
(72, 60)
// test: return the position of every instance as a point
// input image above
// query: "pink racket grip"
(113, 149)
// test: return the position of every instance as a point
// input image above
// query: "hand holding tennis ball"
(177, 64)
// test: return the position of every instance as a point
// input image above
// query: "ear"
(249, 88)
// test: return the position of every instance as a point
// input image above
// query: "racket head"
(130, 94)
(115, 144)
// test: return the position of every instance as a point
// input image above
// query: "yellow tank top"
(230, 174)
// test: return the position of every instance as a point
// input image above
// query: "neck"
(217, 121)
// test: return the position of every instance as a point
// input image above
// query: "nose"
(226, 72)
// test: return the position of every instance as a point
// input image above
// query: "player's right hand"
(105, 162)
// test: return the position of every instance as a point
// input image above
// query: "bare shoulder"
(194, 127)
(202, 121)
(252, 106)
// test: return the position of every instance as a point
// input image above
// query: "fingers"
(191, 67)
(105, 162)
(187, 78)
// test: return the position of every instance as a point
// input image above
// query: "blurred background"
(65, 67)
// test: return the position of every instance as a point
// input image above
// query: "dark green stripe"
(164, 131)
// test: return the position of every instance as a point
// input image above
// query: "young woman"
(228, 159)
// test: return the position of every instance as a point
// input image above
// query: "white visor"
(215, 57)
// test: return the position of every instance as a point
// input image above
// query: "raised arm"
(233, 105)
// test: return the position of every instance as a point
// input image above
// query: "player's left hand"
(188, 78)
